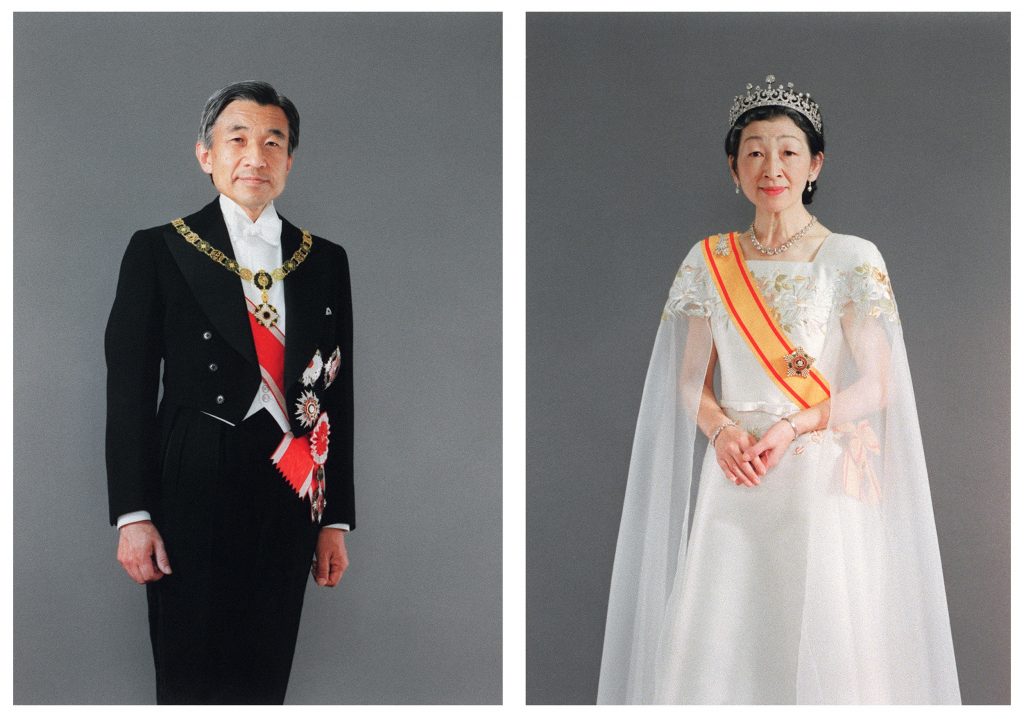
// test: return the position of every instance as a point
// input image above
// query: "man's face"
(248, 154)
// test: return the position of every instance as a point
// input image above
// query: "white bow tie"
(262, 231)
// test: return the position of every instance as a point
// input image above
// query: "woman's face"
(774, 163)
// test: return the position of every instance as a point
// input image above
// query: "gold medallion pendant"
(266, 314)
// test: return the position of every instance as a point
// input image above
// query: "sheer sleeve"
(879, 615)
(689, 292)
(868, 291)
(651, 546)
(870, 324)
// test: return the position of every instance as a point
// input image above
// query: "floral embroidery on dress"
(871, 292)
(794, 302)
(688, 295)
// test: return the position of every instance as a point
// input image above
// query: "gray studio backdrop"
(626, 118)
(400, 162)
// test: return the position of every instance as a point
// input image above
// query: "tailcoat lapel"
(217, 290)
(300, 301)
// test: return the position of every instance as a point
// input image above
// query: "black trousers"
(240, 543)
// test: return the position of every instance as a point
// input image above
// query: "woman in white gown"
(811, 571)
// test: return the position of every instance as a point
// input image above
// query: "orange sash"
(748, 310)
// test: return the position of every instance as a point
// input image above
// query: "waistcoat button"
(207, 335)
(220, 399)
(213, 367)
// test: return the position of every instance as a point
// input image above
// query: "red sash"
(295, 457)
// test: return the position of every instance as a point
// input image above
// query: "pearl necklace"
(784, 246)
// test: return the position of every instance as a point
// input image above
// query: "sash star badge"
(798, 363)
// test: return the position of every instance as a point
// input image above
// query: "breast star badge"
(798, 363)
(307, 409)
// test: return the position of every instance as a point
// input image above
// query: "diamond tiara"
(778, 95)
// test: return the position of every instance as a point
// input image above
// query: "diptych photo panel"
(272, 448)
(510, 359)
(763, 463)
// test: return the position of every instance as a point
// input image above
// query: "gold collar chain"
(266, 314)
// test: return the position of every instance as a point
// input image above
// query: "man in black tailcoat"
(224, 492)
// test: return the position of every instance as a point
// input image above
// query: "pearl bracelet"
(714, 435)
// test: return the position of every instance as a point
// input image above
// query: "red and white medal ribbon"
(300, 461)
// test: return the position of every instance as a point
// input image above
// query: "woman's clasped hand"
(744, 459)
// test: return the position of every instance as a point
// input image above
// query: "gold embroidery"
(871, 293)
(688, 294)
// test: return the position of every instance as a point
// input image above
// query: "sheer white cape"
(859, 612)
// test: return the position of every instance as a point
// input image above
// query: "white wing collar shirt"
(256, 245)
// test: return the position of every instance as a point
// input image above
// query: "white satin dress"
(776, 600)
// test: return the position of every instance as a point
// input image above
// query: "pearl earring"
(810, 186)
(737, 189)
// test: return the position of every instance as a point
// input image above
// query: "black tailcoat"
(176, 306)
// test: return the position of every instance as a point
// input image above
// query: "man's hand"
(331, 559)
(140, 550)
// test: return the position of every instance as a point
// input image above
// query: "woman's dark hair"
(815, 139)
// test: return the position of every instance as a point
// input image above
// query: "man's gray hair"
(261, 93)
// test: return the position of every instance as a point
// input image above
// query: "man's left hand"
(331, 559)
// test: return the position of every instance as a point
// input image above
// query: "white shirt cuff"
(139, 516)
(142, 516)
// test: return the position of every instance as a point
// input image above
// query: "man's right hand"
(140, 550)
